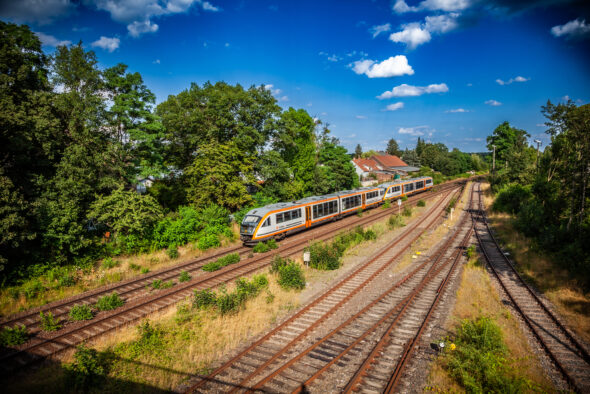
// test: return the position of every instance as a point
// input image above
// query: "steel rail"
(168, 297)
(330, 291)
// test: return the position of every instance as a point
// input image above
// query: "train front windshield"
(249, 224)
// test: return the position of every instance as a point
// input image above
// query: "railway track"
(45, 345)
(567, 353)
(285, 357)
(136, 287)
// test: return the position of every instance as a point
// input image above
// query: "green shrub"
(370, 235)
(184, 277)
(172, 252)
(359, 212)
(150, 340)
(386, 204)
(452, 204)
(260, 247)
(109, 302)
(395, 221)
(407, 211)
(470, 251)
(81, 312)
(204, 298)
(222, 262)
(227, 302)
(48, 322)
(167, 285)
(511, 198)
(145, 270)
(156, 284)
(277, 263)
(479, 361)
(260, 281)
(291, 276)
(421, 203)
(208, 241)
(32, 288)
(67, 280)
(404, 198)
(272, 244)
(135, 267)
(109, 263)
(14, 336)
(88, 369)
(324, 256)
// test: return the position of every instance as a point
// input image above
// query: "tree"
(420, 144)
(336, 172)
(506, 139)
(277, 177)
(358, 151)
(219, 174)
(393, 148)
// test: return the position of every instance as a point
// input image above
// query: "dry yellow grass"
(476, 297)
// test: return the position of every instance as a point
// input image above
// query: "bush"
(370, 235)
(511, 198)
(291, 276)
(88, 369)
(452, 204)
(272, 244)
(150, 340)
(156, 284)
(204, 298)
(404, 198)
(145, 270)
(167, 285)
(109, 302)
(14, 336)
(172, 252)
(184, 277)
(407, 211)
(81, 312)
(261, 247)
(135, 267)
(222, 262)
(421, 203)
(277, 263)
(208, 241)
(386, 204)
(470, 251)
(359, 212)
(395, 221)
(109, 263)
(479, 361)
(48, 322)
(324, 256)
(32, 288)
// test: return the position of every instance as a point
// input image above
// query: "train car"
(278, 220)
(407, 187)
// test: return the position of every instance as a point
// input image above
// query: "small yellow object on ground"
(418, 252)
(452, 346)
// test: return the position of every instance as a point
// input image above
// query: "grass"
(545, 274)
(13, 336)
(66, 282)
(476, 299)
(109, 302)
(48, 322)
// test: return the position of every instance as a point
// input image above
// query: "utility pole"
(538, 145)
(494, 159)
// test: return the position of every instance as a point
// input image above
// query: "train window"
(419, 185)
(279, 218)
(429, 181)
(266, 223)
(296, 214)
(409, 187)
(381, 192)
(287, 216)
(397, 189)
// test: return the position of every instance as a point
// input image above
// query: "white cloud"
(415, 131)
(394, 107)
(136, 29)
(415, 33)
(376, 30)
(138, 14)
(573, 29)
(35, 11)
(517, 79)
(283, 98)
(51, 41)
(395, 66)
(458, 110)
(493, 103)
(405, 90)
(566, 98)
(157, 61)
(412, 35)
(273, 91)
(469, 84)
(106, 43)
(361, 117)
(401, 7)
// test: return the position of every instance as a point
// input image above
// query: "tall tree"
(358, 151)
(393, 148)
(506, 139)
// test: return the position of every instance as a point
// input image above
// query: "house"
(380, 168)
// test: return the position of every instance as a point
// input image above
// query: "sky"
(446, 71)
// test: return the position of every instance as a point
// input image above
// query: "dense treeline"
(77, 140)
(550, 195)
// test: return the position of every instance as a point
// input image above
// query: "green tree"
(276, 175)
(219, 174)
(393, 148)
(336, 172)
(420, 144)
(506, 139)
(126, 212)
(358, 151)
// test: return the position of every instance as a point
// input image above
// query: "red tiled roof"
(389, 161)
(367, 165)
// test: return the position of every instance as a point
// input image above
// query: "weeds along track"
(286, 343)
(137, 287)
(568, 354)
(45, 345)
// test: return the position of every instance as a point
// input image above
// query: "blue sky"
(444, 70)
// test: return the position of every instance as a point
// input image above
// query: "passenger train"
(278, 220)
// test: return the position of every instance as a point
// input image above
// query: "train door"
(308, 216)
(364, 199)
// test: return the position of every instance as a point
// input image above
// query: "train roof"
(400, 181)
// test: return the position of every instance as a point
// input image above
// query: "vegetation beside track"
(501, 354)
